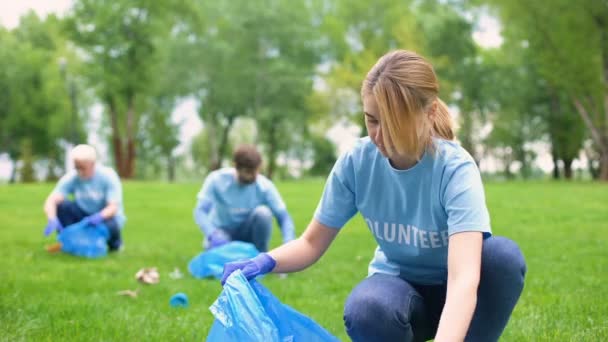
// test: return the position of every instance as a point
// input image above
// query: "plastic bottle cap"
(179, 300)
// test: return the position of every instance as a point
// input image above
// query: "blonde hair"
(84, 152)
(405, 88)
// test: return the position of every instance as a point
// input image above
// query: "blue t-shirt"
(232, 202)
(92, 195)
(411, 213)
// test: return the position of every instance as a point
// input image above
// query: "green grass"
(561, 227)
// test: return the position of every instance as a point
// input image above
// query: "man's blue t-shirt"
(92, 195)
(233, 202)
(411, 213)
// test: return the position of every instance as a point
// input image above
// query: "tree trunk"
(123, 146)
(555, 165)
(224, 141)
(171, 168)
(116, 140)
(13, 177)
(555, 110)
(604, 166)
(130, 154)
(211, 129)
(50, 175)
(130, 159)
(271, 151)
(567, 168)
(598, 135)
(466, 132)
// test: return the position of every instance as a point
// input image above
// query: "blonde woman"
(437, 271)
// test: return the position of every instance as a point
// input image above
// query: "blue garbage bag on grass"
(247, 311)
(85, 240)
(211, 263)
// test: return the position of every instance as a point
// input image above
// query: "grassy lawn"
(562, 229)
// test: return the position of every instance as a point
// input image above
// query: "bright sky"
(10, 11)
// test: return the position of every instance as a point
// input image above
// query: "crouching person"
(91, 193)
(238, 204)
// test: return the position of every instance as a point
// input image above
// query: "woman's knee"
(374, 310)
(503, 256)
(363, 308)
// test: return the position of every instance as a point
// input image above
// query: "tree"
(573, 61)
(27, 165)
(122, 40)
(358, 33)
(33, 103)
(324, 156)
(158, 137)
(255, 60)
(459, 64)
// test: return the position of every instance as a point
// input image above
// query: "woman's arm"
(305, 250)
(464, 264)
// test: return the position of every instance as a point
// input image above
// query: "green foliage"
(324, 156)
(58, 297)
(358, 33)
(517, 115)
(122, 40)
(574, 62)
(295, 69)
(256, 60)
(33, 102)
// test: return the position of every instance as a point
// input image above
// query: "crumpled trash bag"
(85, 240)
(211, 263)
(247, 311)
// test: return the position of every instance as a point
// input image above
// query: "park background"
(165, 89)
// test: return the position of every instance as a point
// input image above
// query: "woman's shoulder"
(451, 152)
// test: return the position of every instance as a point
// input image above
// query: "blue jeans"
(256, 229)
(388, 308)
(68, 212)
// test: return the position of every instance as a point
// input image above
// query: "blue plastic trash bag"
(247, 311)
(211, 263)
(85, 240)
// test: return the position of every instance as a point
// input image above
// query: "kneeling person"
(239, 203)
(97, 197)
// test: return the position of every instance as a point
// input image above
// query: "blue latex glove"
(261, 264)
(53, 225)
(94, 219)
(217, 238)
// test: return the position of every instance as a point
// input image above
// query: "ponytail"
(443, 126)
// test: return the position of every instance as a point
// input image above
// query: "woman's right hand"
(251, 268)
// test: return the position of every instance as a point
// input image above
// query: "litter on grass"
(148, 275)
(128, 293)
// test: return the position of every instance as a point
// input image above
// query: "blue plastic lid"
(179, 300)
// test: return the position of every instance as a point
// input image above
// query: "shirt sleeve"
(205, 201)
(207, 191)
(114, 190)
(279, 210)
(273, 199)
(464, 201)
(66, 184)
(337, 204)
